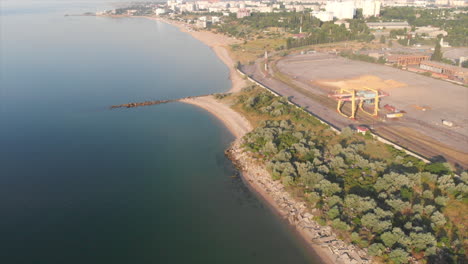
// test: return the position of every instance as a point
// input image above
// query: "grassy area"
(249, 51)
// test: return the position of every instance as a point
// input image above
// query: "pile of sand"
(370, 81)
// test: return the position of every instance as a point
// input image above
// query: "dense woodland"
(317, 32)
(372, 194)
(454, 21)
(329, 33)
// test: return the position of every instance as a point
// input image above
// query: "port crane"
(358, 97)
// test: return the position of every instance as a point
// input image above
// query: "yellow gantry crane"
(357, 97)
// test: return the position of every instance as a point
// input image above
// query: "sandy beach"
(322, 241)
(236, 123)
(218, 43)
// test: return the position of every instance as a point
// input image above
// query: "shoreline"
(217, 43)
(236, 123)
(320, 240)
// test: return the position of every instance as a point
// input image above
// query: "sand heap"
(370, 81)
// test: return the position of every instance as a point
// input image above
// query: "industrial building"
(405, 60)
(444, 70)
(431, 32)
(388, 25)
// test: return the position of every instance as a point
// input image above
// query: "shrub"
(376, 249)
(340, 225)
(399, 256)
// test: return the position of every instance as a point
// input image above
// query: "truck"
(394, 115)
(447, 123)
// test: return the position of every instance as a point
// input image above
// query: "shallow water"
(82, 184)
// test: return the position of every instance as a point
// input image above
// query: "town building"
(341, 9)
(323, 16)
(441, 2)
(160, 11)
(458, 3)
(243, 13)
(215, 19)
(371, 8)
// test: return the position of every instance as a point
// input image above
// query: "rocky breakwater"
(320, 238)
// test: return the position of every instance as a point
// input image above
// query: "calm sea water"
(82, 184)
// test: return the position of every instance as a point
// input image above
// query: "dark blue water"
(82, 184)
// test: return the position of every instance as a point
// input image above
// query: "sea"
(80, 183)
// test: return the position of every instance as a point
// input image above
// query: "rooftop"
(445, 66)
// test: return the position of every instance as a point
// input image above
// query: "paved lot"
(421, 131)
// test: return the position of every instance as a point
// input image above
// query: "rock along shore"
(321, 238)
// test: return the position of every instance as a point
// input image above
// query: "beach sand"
(236, 123)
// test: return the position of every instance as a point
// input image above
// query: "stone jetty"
(155, 102)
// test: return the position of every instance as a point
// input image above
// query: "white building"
(160, 11)
(441, 2)
(265, 9)
(323, 16)
(420, 3)
(188, 7)
(215, 19)
(371, 8)
(341, 9)
(460, 3)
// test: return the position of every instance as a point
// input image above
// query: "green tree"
(333, 213)
(421, 241)
(355, 205)
(437, 55)
(389, 238)
(382, 39)
(399, 256)
(373, 223)
(438, 218)
(376, 249)
(465, 64)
